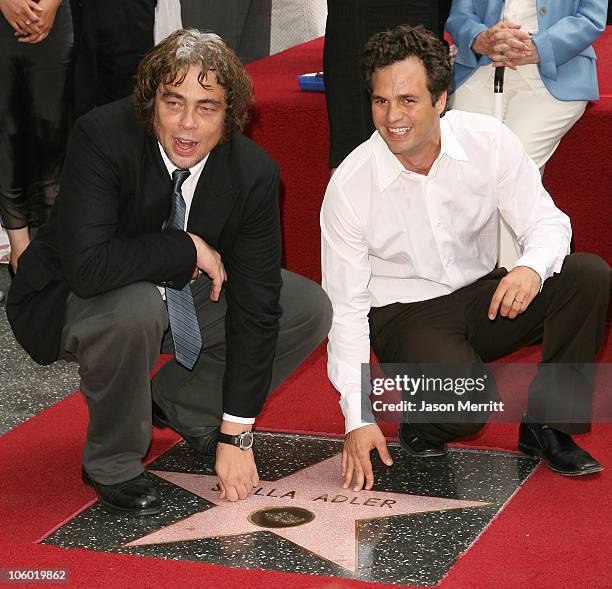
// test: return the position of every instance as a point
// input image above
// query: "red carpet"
(553, 533)
(603, 48)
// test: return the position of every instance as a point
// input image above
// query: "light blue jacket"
(567, 30)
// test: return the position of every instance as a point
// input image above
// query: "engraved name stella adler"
(325, 497)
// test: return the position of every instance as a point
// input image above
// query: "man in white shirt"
(409, 229)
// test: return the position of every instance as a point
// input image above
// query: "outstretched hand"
(237, 472)
(235, 468)
(356, 463)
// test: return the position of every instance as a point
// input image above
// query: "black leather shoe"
(204, 446)
(413, 442)
(558, 450)
(135, 497)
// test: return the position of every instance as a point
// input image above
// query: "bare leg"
(19, 240)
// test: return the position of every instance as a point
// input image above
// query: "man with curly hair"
(166, 233)
(409, 229)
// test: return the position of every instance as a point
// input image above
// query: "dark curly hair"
(169, 61)
(388, 47)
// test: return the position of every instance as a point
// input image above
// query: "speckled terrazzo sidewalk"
(25, 387)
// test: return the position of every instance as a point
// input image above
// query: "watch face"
(246, 440)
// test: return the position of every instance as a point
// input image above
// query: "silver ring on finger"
(518, 301)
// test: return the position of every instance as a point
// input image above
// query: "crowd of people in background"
(60, 59)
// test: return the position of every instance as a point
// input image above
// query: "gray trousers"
(116, 337)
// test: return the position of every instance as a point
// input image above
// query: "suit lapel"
(156, 185)
(214, 196)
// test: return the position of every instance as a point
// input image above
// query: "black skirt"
(35, 119)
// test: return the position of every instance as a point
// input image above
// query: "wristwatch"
(244, 441)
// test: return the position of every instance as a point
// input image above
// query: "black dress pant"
(567, 316)
(350, 23)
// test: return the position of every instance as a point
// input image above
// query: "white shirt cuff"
(234, 419)
(352, 426)
(537, 261)
(355, 415)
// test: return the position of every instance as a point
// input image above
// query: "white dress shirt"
(188, 189)
(390, 235)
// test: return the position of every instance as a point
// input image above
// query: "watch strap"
(244, 441)
(228, 439)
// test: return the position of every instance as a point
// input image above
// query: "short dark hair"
(169, 61)
(388, 47)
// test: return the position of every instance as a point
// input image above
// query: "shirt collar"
(450, 144)
(195, 170)
(389, 167)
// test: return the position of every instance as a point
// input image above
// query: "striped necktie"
(181, 310)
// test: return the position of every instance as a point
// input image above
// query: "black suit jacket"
(105, 233)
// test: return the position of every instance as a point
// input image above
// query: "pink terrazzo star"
(324, 522)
